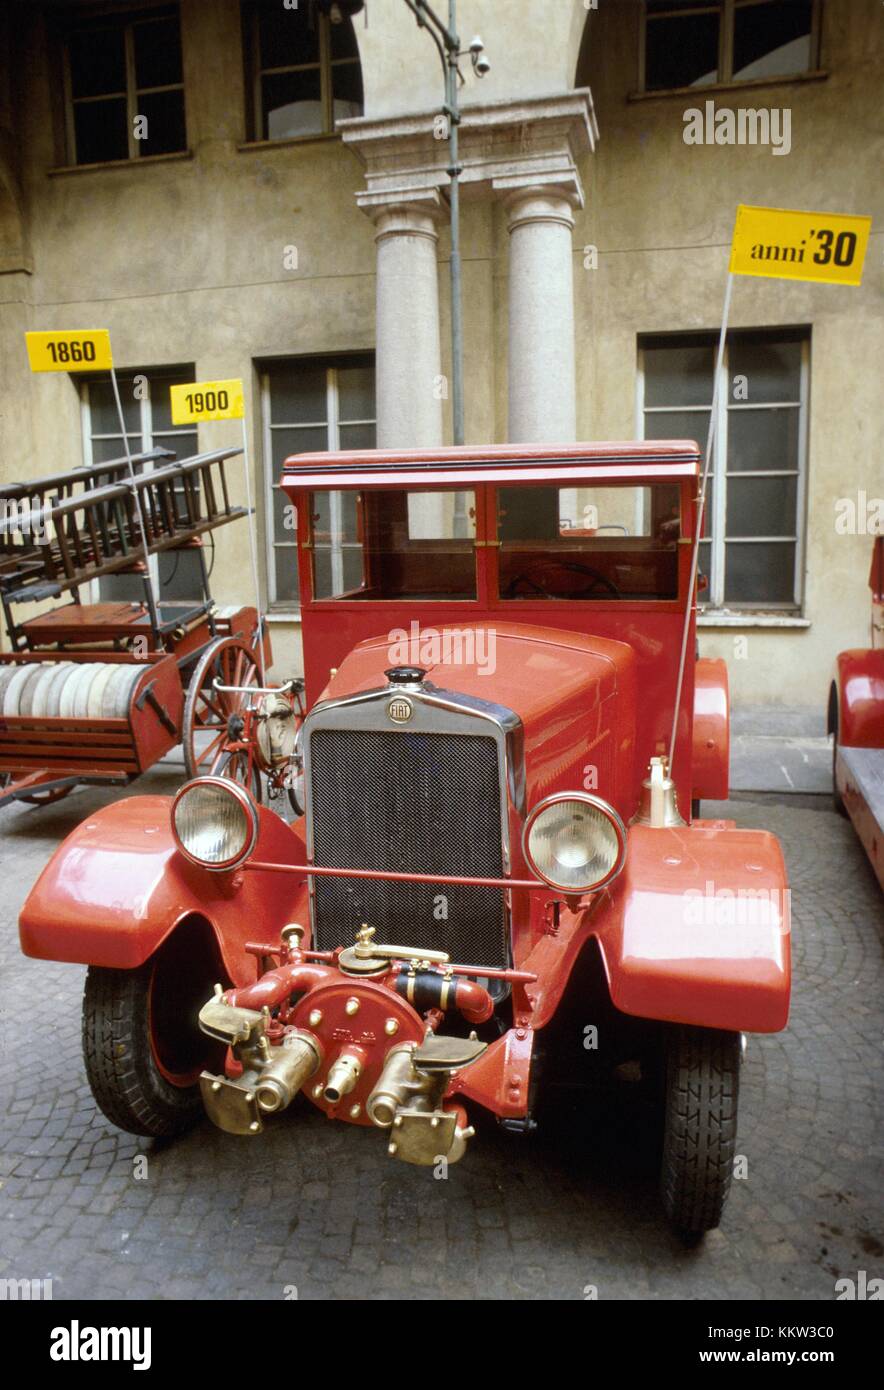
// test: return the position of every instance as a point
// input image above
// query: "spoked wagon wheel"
(208, 712)
(700, 1126)
(238, 768)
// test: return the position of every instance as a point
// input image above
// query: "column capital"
(527, 202)
(403, 211)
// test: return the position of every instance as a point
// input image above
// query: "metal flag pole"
(253, 549)
(148, 577)
(701, 508)
(447, 42)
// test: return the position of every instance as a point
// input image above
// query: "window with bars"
(303, 70)
(309, 404)
(753, 554)
(147, 411)
(124, 86)
(699, 43)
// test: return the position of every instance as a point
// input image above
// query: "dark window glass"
(678, 424)
(681, 51)
(343, 41)
(759, 573)
(347, 90)
(762, 439)
(772, 40)
(98, 62)
(589, 543)
(292, 104)
(356, 393)
(164, 112)
(679, 376)
(772, 370)
(157, 52)
(761, 505)
(298, 395)
(287, 37)
(100, 130)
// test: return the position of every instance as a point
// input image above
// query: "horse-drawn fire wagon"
(97, 689)
(501, 879)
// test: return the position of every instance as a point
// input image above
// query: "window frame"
(712, 601)
(126, 20)
(332, 425)
(726, 10)
(255, 72)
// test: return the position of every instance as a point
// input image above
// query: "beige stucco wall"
(661, 213)
(183, 260)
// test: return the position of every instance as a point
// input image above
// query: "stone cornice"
(503, 145)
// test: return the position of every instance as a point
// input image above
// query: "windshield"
(588, 543)
(394, 545)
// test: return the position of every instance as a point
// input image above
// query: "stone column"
(542, 383)
(408, 365)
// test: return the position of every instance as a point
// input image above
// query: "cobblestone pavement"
(320, 1207)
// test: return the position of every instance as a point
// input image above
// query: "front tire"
(700, 1126)
(142, 1045)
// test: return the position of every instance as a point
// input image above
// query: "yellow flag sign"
(206, 400)
(787, 245)
(70, 350)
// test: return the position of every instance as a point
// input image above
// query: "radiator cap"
(405, 675)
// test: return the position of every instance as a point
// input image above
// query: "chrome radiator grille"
(416, 803)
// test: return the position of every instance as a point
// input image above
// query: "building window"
(753, 554)
(146, 409)
(147, 412)
(699, 43)
(124, 87)
(304, 72)
(309, 404)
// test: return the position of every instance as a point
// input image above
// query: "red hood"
(574, 694)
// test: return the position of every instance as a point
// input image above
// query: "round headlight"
(575, 842)
(215, 822)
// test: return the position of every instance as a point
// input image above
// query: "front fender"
(859, 692)
(695, 930)
(711, 733)
(117, 887)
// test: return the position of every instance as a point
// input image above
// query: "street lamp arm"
(450, 40)
(413, 6)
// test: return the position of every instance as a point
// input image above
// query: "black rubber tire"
(699, 1126)
(128, 1086)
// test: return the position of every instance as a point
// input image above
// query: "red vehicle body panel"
(712, 749)
(859, 683)
(117, 887)
(856, 718)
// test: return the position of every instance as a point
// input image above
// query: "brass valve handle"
(368, 949)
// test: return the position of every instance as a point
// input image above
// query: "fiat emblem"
(400, 710)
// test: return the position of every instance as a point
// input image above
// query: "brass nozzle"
(343, 1074)
(396, 1085)
(292, 1065)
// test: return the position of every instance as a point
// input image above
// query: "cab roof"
(633, 461)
